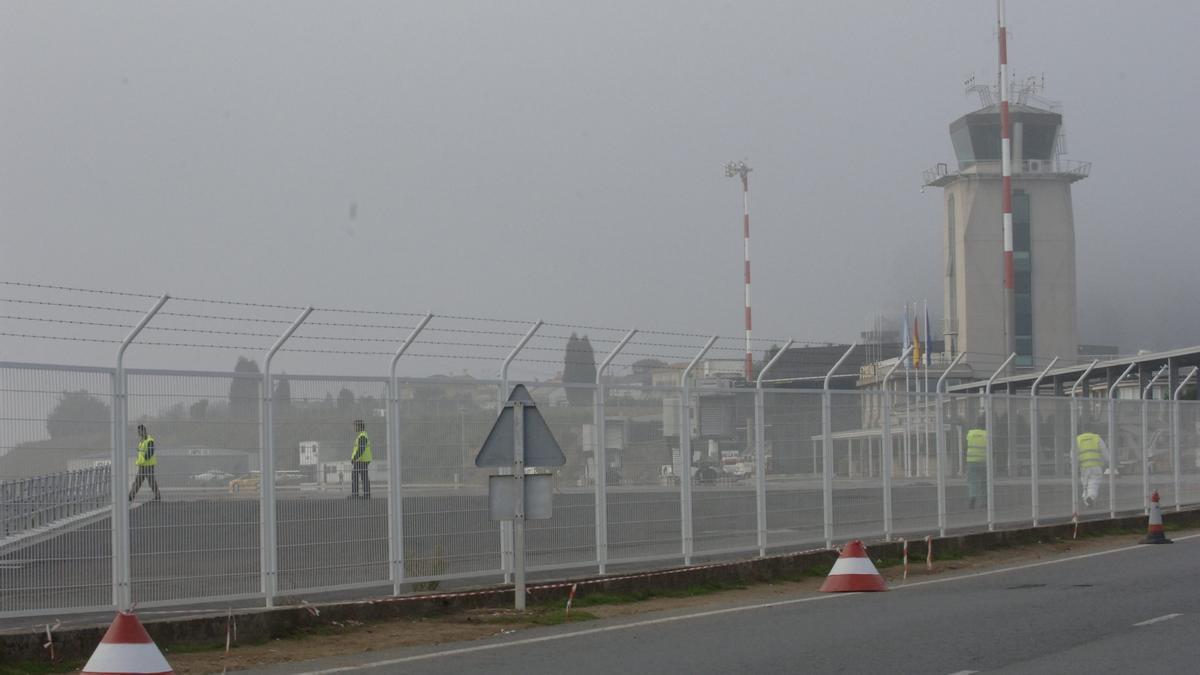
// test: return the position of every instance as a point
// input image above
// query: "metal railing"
(1071, 168)
(41, 501)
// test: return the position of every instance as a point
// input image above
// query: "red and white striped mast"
(1006, 185)
(743, 170)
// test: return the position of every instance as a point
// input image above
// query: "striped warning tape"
(315, 611)
(49, 644)
(570, 600)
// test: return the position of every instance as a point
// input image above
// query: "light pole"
(743, 170)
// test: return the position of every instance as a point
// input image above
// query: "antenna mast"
(1006, 184)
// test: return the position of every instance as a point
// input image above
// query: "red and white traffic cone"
(853, 572)
(127, 648)
(1155, 534)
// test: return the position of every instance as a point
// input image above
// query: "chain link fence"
(254, 498)
(838, 465)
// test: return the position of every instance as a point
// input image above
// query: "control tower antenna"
(1006, 183)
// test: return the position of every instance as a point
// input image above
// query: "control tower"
(1043, 234)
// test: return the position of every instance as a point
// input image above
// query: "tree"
(643, 370)
(282, 397)
(77, 413)
(579, 367)
(345, 400)
(243, 391)
(198, 410)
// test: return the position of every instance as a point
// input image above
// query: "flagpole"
(928, 363)
(909, 442)
(907, 390)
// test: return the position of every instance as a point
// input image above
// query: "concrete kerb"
(258, 625)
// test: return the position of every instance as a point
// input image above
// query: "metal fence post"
(267, 519)
(506, 526)
(941, 445)
(1112, 442)
(1145, 441)
(685, 454)
(1175, 444)
(1035, 444)
(760, 452)
(991, 473)
(827, 448)
(885, 461)
(395, 476)
(122, 589)
(600, 457)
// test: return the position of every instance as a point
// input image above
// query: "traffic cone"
(853, 572)
(127, 648)
(1155, 534)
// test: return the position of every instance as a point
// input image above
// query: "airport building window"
(1023, 278)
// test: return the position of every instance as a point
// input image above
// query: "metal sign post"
(525, 438)
(519, 504)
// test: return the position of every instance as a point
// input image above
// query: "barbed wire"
(205, 331)
(187, 315)
(597, 339)
(445, 343)
(66, 321)
(23, 284)
(71, 305)
(68, 338)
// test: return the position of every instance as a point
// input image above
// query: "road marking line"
(965, 672)
(578, 633)
(697, 615)
(1165, 617)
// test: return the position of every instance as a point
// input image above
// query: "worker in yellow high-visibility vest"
(1092, 455)
(977, 440)
(360, 462)
(146, 461)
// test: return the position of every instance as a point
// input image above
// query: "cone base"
(853, 583)
(1155, 538)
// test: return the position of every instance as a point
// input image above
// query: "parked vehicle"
(213, 476)
(247, 483)
(253, 480)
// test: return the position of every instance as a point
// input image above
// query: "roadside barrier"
(853, 572)
(1155, 535)
(126, 648)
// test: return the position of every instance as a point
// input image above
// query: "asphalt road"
(190, 547)
(1134, 609)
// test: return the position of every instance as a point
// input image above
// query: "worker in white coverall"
(1093, 456)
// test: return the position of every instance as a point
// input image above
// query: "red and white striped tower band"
(743, 170)
(1006, 184)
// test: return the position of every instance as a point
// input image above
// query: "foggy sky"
(563, 159)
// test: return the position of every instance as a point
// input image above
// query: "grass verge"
(601, 598)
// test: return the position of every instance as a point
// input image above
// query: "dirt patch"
(350, 637)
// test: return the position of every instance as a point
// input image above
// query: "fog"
(563, 160)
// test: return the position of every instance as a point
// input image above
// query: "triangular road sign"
(540, 447)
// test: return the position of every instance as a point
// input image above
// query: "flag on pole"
(916, 336)
(928, 338)
(907, 337)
